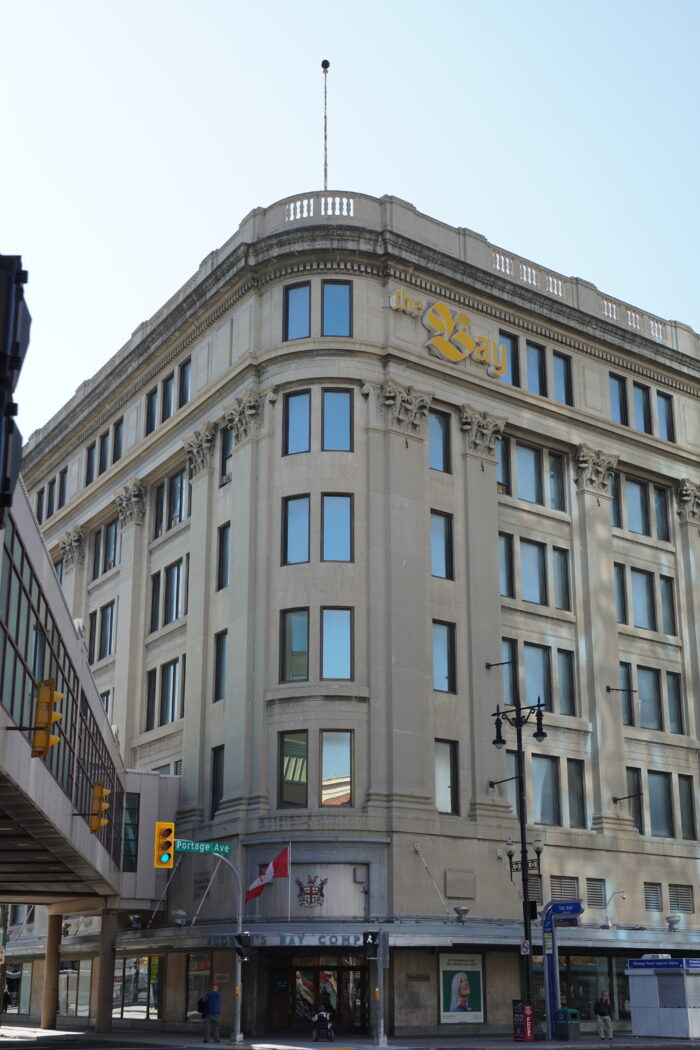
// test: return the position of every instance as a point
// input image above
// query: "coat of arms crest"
(311, 893)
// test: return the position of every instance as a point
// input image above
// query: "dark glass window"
(117, 440)
(336, 528)
(536, 369)
(104, 452)
(577, 792)
(62, 486)
(560, 566)
(155, 601)
(545, 790)
(664, 411)
(634, 790)
(220, 664)
(151, 681)
(626, 694)
(643, 599)
(642, 408)
(446, 776)
(441, 545)
(151, 410)
(336, 768)
(295, 530)
(184, 383)
(439, 442)
(295, 645)
(618, 400)
(567, 687)
(336, 308)
(668, 605)
(297, 311)
(217, 779)
(223, 555)
(131, 831)
(512, 371)
(337, 421)
(106, 631)
(503, 466)
(660, 804)
(297, 423)
(649, 689)
(557, 489)
(505, 565)
(444, 668)
(174, 592)
(509, 669)
(675, 704)
(177, 498)
(90, 457)
(169, 692)
(637, 507)
(538, 675)
(40, 506)
(529, 466)
(50, 497)
(620, 594)
(615, 502)
(533, 572)
(686, 793)
(563, 387)
(336, 643)
(167, 405)
(226, 455)
(663, 530)
(293, 768)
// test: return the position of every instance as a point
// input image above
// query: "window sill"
(168, 533)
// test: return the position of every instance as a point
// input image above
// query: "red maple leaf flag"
(276, 869)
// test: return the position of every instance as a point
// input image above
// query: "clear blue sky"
(137, 135)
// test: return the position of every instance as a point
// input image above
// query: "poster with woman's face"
(461, 989)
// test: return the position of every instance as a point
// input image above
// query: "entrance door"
(340, 989)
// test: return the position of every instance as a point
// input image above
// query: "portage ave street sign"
(188, 846)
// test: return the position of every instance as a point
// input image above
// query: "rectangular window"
(336, 421)
(217, 779)
(536, 369)
(184, 383)
(649, 688)
(653, 900)
(220, 664)
(441, 545)
(336, 308)
(226, 461)
(62, 487)
(618, 400)
(637, 507)
(336, 528)
(626, 694)
(167, 395)
(562, 591)
(111, 539)
(92, 636)
(336, 643)
(686, 796)
(538, 675)
(336, 768)
(103, 461)
(131, 831)
(668, 605)
(575, 771)
(563, 386)
(295, 645)
(159, 511)
(90, 457)
(642, 408)
(223, 555)
(295, 530)
(643, 599)
(615, 501)
(620, 593)
(169, 692)
(567, 686)
(503, 466)
(293, 768)
(505, 563)
(660, 804)
(177, 498)
(509, 343)
(439, 442)
(680, 898)
(151, 410)
(106, 646)
(446, 777)
(151, 678)
(297, 423)
(533, 572)
(174, 592)
(634, 802)
(675, 705)
(50, 497)
(557, 488)
(297, 311)
(663, 528)
(545, 790)
(155, 601)
(529, 467)
(40, 506)
(664, 412)
(117, 440)
(509, 669)
(444, 675)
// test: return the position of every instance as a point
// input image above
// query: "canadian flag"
(276, 869)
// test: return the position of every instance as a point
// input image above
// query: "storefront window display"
(74, 978)
(581, 979)
(199, 981)
(138, 987)
(18, 979)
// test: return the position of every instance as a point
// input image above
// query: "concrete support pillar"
(49, 1003)
(105, 972)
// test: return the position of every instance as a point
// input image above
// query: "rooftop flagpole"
(325, 65)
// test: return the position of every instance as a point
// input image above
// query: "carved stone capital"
(688, 496)
(245, 415)
(131, 504)
(407, 408)
(199, 449)
(592, 470)
(72, 546)
(480, 430)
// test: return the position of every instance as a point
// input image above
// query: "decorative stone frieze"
(592, 470)
(407, 408)
(199, 449)
(73, 548)
(131, 504)
(688, 496)
(245, 415)
(480, 430)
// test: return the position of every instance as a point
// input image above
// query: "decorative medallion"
(311, 893)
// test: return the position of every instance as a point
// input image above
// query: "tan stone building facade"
(357, 458)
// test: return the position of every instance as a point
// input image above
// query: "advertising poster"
(461, 989)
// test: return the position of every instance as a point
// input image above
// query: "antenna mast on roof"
(325, 65)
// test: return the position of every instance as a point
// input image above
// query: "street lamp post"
(518, 716)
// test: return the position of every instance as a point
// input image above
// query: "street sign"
(566, 908)
(524, 947)
(188, 846)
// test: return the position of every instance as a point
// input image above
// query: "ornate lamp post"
(518, 716)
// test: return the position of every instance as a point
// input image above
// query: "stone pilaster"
(688, 504)
(129, 686)
(73, 546)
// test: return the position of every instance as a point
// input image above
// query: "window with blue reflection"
(545, 790)
(643, 599)
(509, 669)
(297, 311)
(536, 370)
(336, 768)
(663, 530)
(538, 675)
(337, 421)
(533, 572)
(626, 694)
(295, 530)
(336, 643)
(563, 387)
(649, 687)
(664, 411)
(637, 507)
(293, 768)
(529, 465)
(660, 804)
(668, 607)
(560, 567)
(444, 657)
(337, 528)
(512, 370)
(567, 688)
(441, 545)
(618, 400)
(295, 645)
(642, 408)
(439, 441)
(336, 308)
(297, 423)
(557, 490)
(505, 565)
(675, 708)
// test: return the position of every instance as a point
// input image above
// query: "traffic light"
(98, 807)
(164, 844)
(44, 718)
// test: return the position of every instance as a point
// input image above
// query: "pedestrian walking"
(212, 998)
(603, 1012)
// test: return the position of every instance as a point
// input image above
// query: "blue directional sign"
(566, 908)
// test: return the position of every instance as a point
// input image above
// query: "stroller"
(323, 1026)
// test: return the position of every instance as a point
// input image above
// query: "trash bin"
(568, 1025)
